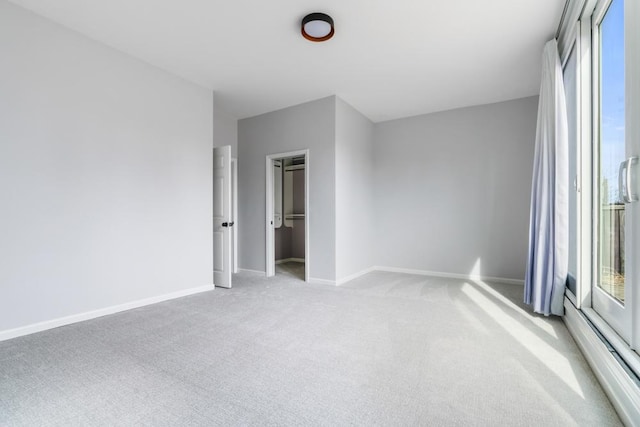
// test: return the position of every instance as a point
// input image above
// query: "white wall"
(225, 129)
(105, 175)
(355, 234)
(452, 189)
(306, 126)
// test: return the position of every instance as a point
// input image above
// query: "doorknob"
(624, 180)
(225, 224)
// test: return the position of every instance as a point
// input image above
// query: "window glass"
(611, 153)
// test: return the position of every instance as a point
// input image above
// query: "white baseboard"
(354, 276)
(419, 273)
(623, 393)
(322, 281)
(75, 318)
(450, 275)
(282, 261)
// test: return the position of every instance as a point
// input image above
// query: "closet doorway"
(287, 214)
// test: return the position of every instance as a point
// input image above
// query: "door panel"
(234, 215)
(222, 219)
(611, 236)
(632, 136)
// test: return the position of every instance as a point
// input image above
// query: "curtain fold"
(549, 220)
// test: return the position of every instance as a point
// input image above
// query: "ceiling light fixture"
(317, 27)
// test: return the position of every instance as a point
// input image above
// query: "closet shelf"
(294, 216)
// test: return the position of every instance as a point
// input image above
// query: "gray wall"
(306, 126)
(105, 175)
(452, 189)
(355, 234)
(283, 242)
(225, 129)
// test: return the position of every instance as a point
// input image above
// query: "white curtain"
(548, 225)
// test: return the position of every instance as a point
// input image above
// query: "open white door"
(222, 220)
(234, 214)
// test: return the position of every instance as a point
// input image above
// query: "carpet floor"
(384, 349)
(291, 269)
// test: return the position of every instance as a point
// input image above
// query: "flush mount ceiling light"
(317, 27)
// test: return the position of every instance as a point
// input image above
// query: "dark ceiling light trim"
(317, 27)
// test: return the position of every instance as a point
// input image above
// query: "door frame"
(588, 334)
(611, 310)
(587, 129)
(270, 254)
(234, 214)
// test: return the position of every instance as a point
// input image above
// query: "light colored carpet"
(384, 349)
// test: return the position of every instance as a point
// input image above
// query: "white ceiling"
(389, 58)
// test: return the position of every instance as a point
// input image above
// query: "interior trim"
(451, 275)
(620, 387)
(630, 357)
(354, 276)
(80, 317)
(568, 27)
(322, 281)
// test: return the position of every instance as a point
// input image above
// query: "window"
(610, 287)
